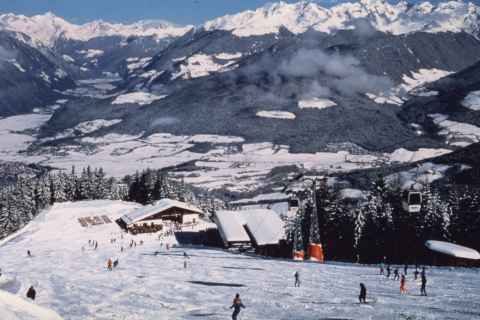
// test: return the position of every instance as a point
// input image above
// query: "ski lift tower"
(315, 249)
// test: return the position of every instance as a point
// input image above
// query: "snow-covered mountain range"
(46, 29)
(287, 85)
(399, 18)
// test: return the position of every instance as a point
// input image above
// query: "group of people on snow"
(112, 264)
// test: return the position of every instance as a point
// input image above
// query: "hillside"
(151, 282)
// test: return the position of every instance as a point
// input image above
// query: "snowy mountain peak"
(399, 18)
(47, 28)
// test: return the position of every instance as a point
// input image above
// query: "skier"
(31, 293)
(109, 264)
(381, 269)
(423, 271)
(405, 269)
(363, 294)
(396, 276)
(96, 245)
(403, 288)
(237, 305)
(115, 263)
(297, 279)
(29, 253)
(388, 271)
(423, 290)
(416, 274)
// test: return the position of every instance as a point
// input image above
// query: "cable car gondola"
(412, 201)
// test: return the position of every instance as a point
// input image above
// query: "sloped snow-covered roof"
(231, 227)
(452, 249)
(157, 207)
(265, 226)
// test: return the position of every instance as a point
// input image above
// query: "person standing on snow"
(405, 269)
(416, 274)
(109, 264)
(236, 306)
(396, 276)
(363, 294)
(388, 271)
(31, 293)
(29, 253)
(297, 279)
(403, 286)
(423, 289)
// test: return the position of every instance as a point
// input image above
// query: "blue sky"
(177, 11)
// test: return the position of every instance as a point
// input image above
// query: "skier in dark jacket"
(388, 271)
(396, 275)
(31, 293)
(423, 290)
(297, 279)
(29, 253)
(363, 294)
(236, 306)
(405, 269)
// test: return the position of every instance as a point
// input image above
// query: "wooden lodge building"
(151, 218)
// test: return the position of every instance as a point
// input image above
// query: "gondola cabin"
(412, 201)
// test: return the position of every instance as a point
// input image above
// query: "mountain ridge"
(399, 18)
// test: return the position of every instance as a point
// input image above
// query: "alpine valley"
(245, 101)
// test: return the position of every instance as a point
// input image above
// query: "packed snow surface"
(15, 308)
(148, 286)
(276, 114)
(472, 101)
(453, 249)
(141, 98)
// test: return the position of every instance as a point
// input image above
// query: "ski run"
(152, 281)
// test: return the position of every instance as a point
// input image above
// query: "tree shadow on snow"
(217, 284)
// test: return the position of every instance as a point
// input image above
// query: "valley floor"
(151, 282)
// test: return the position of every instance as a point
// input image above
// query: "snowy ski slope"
(146, 285)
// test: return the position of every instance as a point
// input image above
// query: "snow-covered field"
(230, 163)
(472, 101)
(316, 103)
(276, 114)
(456, 133)
(141, 98)
(77, 285)
(201, 65)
